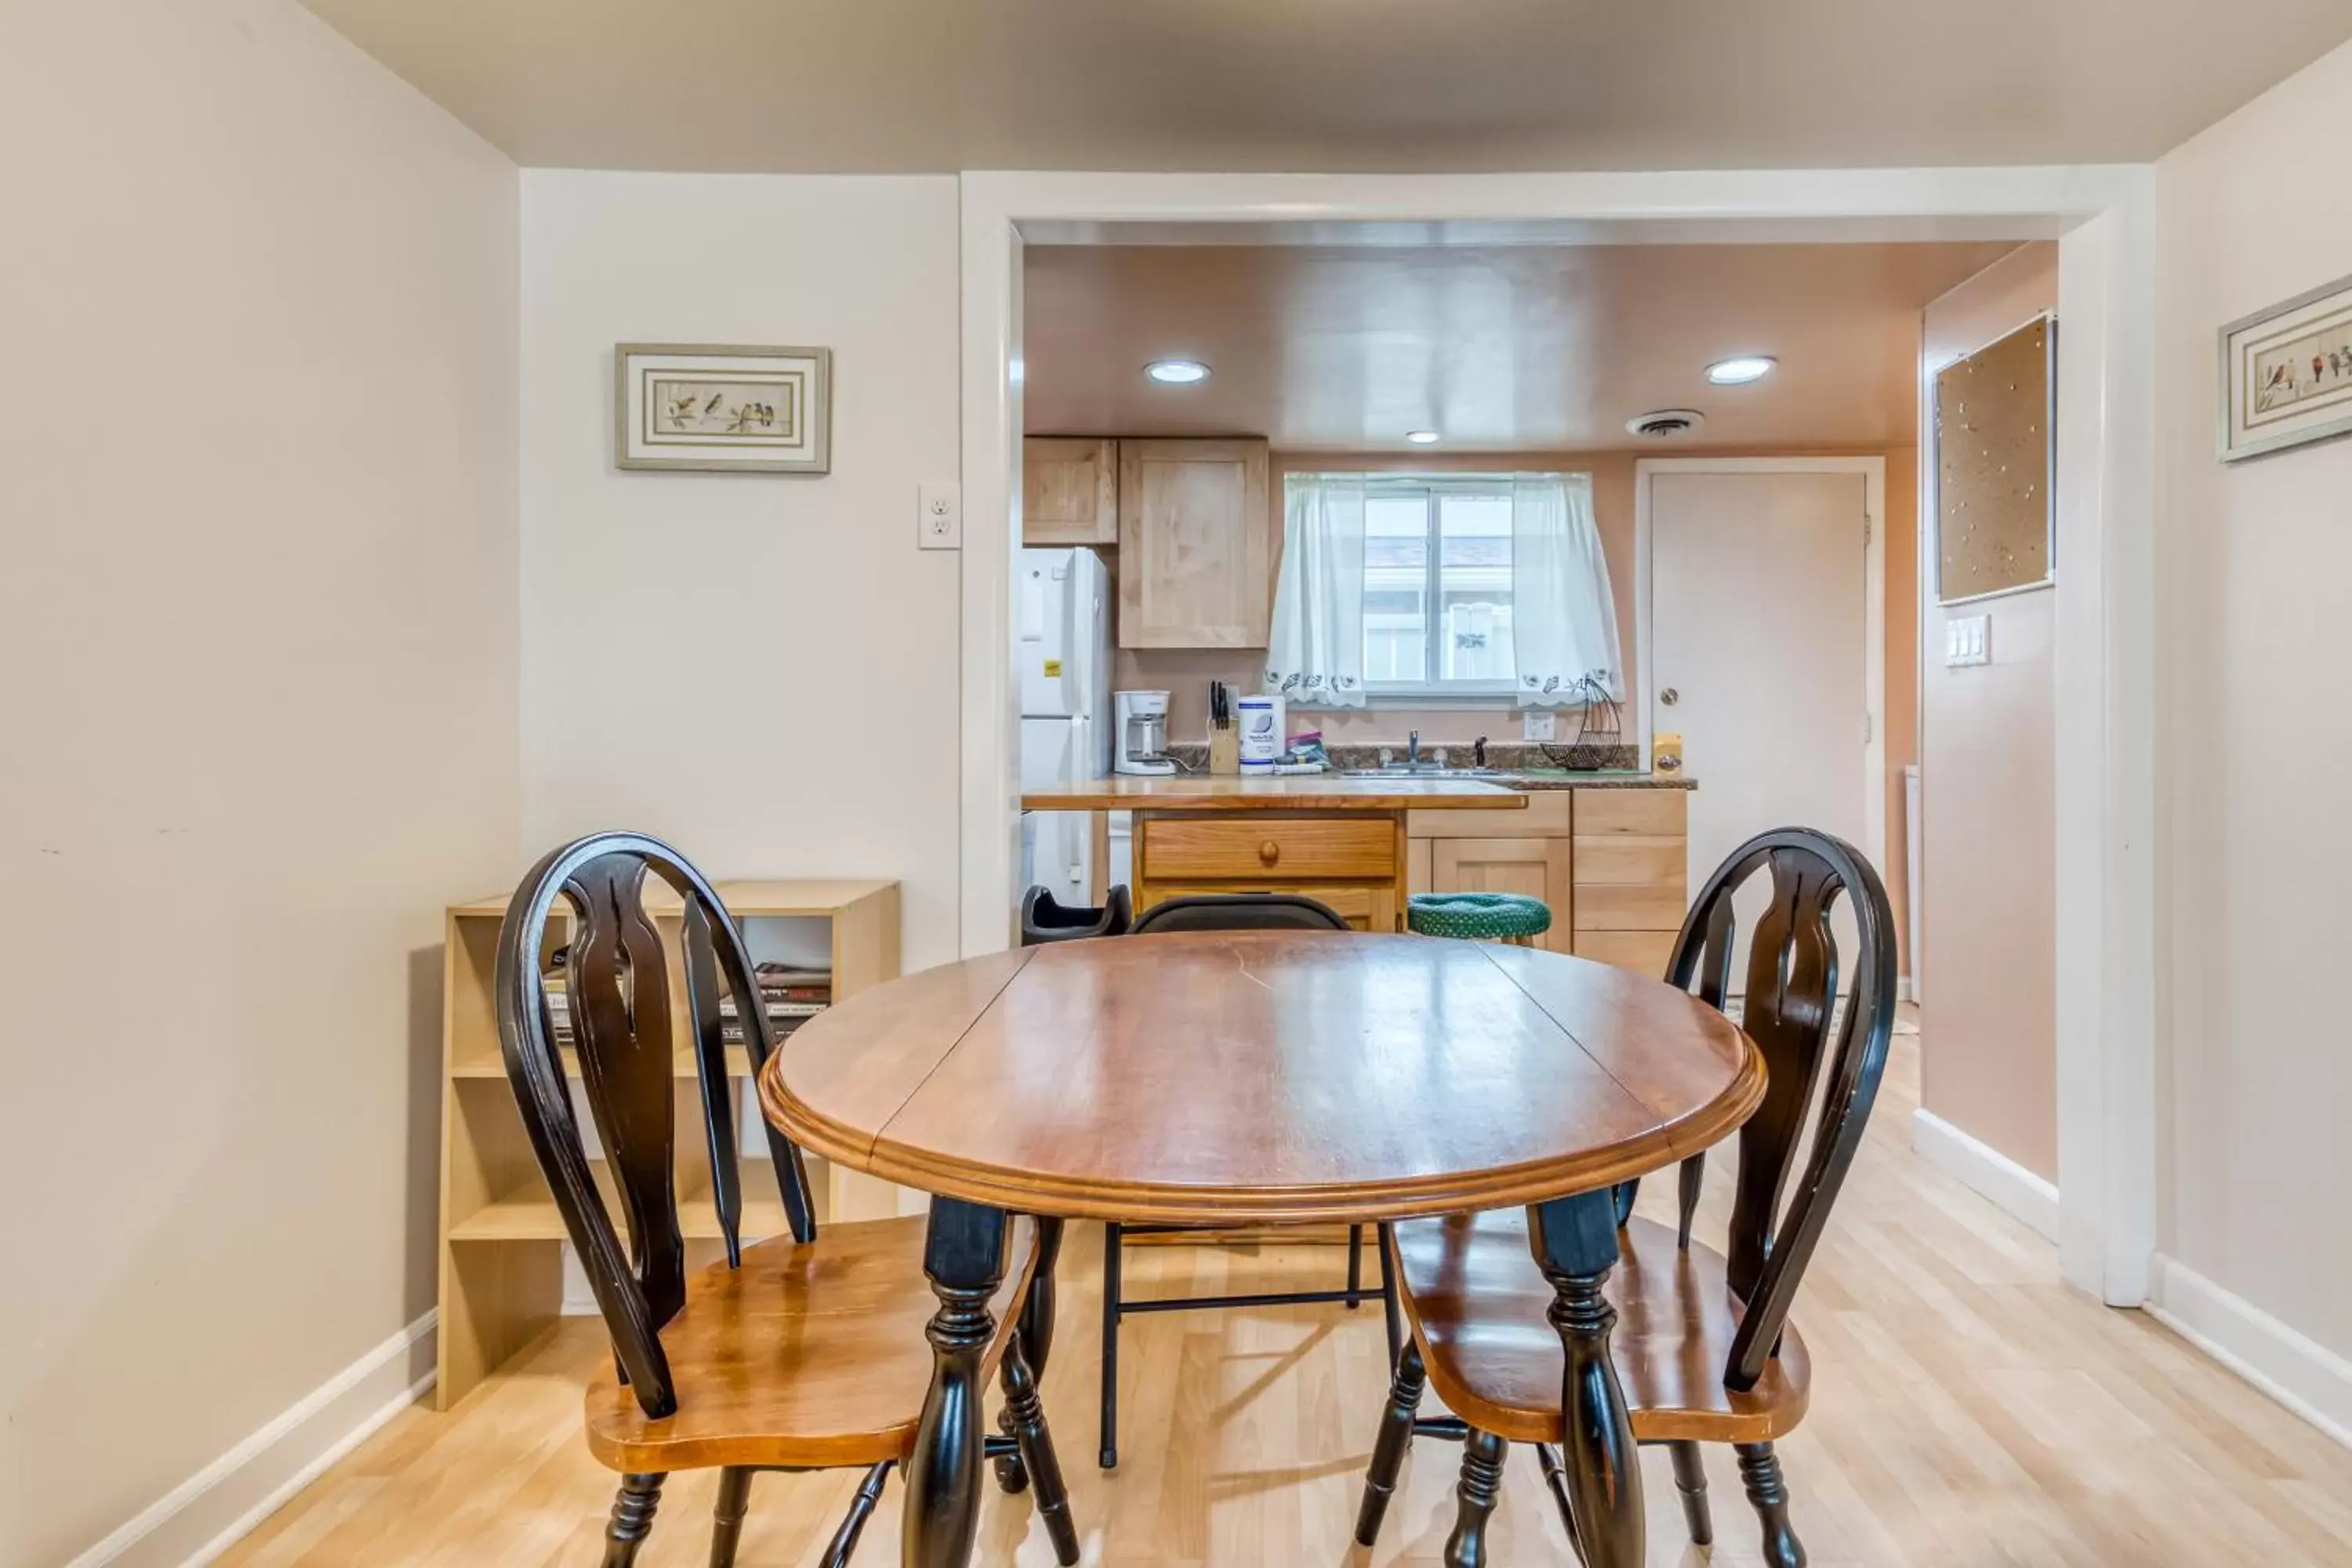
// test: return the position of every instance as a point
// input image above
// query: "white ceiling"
(1501, 348)
(1337, 85)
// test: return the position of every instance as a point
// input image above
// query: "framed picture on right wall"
(2286, 373)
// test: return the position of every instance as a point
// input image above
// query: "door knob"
(1669, 697)
(1269, 852)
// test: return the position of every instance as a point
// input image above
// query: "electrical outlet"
(1539, 725)
(939, 505)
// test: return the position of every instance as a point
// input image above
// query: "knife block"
(1224, 750)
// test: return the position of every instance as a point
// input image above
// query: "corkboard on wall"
(1992, 467)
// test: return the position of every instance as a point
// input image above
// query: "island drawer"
(1194, 848)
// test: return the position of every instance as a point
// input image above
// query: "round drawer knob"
(1268, 853)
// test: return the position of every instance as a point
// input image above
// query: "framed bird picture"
(2286, 373)
(719, 408)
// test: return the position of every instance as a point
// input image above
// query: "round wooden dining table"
(1260, 1077)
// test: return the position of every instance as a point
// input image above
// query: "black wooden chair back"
(1046, 919)
(1239, 911)
(1812, 1052)
(619, 986)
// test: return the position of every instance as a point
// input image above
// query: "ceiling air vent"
(1664, 423)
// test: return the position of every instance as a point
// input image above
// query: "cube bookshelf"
(501, 1237)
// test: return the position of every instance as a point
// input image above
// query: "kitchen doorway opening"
(2100, 218)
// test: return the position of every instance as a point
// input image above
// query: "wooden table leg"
(964, 1259)
(1575, 1244)
(1036, 1339)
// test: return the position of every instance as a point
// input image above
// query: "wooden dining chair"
(1703, 1349)
(1224, 911)
(805, 1351)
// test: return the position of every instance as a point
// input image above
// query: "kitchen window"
(1485, 589)
(1437, 591)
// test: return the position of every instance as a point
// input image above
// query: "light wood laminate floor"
(1968, 1409)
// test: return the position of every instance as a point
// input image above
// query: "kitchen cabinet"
(1196, 544)
(1609, 862)
(1630, 880)
(1069, 492)
(1451, 853)
(1349, 863)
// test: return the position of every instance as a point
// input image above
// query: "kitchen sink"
(1421, 773)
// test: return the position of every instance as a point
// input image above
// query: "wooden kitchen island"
(1340, 841)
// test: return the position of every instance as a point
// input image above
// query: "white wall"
(258, 645)
(759, 668)
(2256, 753)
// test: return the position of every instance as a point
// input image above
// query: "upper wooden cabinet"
(1195, 544)
(1069, 490)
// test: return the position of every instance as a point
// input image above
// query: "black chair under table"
(802, 1352)
(1703, 1346)
(1228, 911)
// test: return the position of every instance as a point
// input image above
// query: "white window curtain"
(1563, 615)
(1316, 651)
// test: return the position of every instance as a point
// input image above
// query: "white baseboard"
(2010, 1187)
(210, 1512)
(1903, 990)
(2297, 1371)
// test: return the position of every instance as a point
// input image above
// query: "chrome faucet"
(1412, 748)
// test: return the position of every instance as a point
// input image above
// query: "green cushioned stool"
(1481, 917)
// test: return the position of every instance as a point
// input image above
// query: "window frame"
(1430, 691)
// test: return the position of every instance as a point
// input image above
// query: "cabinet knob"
(1268, 853)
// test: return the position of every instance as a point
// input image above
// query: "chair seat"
(807, 1355)
(1477, 1302)
(1478, 916)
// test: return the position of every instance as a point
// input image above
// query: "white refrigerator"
(1062, 631)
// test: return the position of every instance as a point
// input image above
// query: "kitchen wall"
(1186, 672)
(260, 617)
(759, 668)
(1988, 777)
(2255, 752)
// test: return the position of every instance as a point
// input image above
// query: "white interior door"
(1760, 654)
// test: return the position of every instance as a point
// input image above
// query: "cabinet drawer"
(1659, 812)
(1294, 848)
(1646, 951)
(1630, 859)
(1641, 906)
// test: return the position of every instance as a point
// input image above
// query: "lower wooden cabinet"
(1352, 863)
(1631, 854)
(1611, 863)
(1538, 867)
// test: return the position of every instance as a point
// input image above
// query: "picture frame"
(1994, 461)
(2286, 374)
(722, 409)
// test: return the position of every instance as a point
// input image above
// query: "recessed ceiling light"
(1741, 369)
(1177, 371)
(1422, 437)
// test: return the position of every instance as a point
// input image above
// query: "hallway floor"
(1968, 1409)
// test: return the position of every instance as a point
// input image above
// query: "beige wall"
(1186, 672)
(2254, 750)
(709, 657)
(1988, 779)
(259, 613)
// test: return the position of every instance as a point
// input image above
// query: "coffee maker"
(1139, 731)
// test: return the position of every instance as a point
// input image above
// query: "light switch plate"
(1968, 640)
(1539, 725)
(939, 523)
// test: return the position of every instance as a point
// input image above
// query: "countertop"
(1284, 792)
